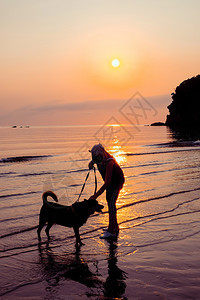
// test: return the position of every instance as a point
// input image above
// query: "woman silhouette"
(113, 178)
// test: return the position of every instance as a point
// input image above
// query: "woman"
(113, 178)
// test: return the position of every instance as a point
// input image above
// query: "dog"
(69, 216)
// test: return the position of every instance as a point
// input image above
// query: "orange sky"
(55, 53)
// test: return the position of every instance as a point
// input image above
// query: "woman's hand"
(91, 165)
(93, 197)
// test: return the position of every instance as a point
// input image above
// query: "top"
(117, 179)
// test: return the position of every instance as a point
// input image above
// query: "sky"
(56, 58)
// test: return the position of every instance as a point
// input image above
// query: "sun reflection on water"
(116, 150)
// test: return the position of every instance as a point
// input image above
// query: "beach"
(156, 255)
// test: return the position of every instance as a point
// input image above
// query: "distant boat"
(15, 126)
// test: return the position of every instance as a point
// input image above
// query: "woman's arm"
(109, 170)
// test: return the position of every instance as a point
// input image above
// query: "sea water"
(156, 255)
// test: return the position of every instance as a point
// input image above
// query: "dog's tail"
(49, 193)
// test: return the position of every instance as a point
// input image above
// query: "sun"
(115, 63)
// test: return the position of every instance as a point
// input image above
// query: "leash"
(86, 181)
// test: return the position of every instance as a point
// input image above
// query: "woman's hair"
(99, 153)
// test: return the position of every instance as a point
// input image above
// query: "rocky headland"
(184, 111)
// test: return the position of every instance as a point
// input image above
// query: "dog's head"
(94, 206)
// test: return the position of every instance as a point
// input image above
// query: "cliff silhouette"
(184, 111)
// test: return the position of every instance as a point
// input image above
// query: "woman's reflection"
(115, 285)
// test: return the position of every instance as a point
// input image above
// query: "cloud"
(79, 106)
(111, 104)
(72, 113)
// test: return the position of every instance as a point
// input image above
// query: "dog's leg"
(38, 232)
(41, 225)
(48, 228)
(42, 221)
(78, 239)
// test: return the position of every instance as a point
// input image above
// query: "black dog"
(70, 216)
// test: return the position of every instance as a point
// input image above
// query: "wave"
(7, 173)
(196, 172)
(78, 170)
(179, 144)
(160, 152)
(20, 206)
(17, 194)
(18, 231)
(20, 286)
(17, 248)
(161, 213)
(172, 239)
(165, 171)
(158, 198)
(18, 218)
(148, 165)
(35, 174)
(45, 173)
(17, 159)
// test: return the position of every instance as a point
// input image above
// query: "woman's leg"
(111, 197)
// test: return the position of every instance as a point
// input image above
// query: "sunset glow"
(68, 57)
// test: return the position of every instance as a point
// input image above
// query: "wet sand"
(167, 269)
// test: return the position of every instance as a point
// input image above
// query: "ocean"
(156, 255)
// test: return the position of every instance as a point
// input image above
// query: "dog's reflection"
(68, 266)
(72, 266)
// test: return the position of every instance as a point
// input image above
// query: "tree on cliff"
(184, 111)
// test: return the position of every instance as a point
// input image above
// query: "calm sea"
(156, 255)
